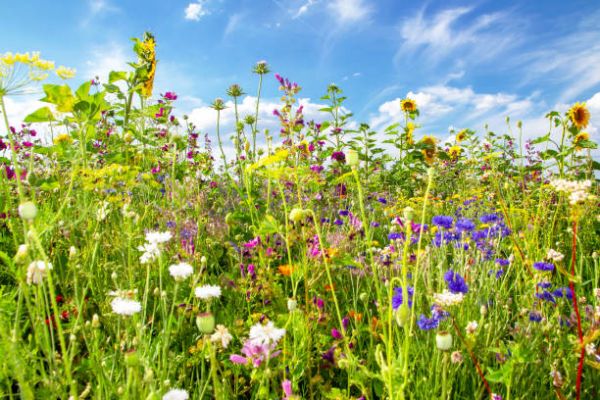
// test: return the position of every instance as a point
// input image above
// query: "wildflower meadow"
(144, 258)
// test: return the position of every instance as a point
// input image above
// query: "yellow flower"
(410, 129)
(462, 135)
(454, 152)
(580, 137)
(430, 150)
(18, 71)
(63, 138)
(408, 105)
(579, 115)
(65, 73)
(146, 52)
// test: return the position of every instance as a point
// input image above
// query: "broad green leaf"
(43, 114)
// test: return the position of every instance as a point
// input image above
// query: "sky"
(466, 63)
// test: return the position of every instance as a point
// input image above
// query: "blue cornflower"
(499, 273)
(397, 296)
(503, 262)
(396, 236)
(375, 224)
(465, 225)
(547, 296)
(382, 200)
(543, 266)
(535, 316)
(442, 221)
(338, 222)
(544, 285)
(563, 291)
(343, 213)
(456, 283)
(427, 324)
(489, 218)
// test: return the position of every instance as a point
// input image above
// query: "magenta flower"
(170, 96)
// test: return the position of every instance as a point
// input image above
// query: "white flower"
(472, 327)
(176, 394)
(577, 190)
(265, 334)
(158, 237)
(447, 298)
(103, 211)
(123, 306)
(590, 349)
(554, 255)
(181, 271)
(208, 291)
(151, 252)
(221, 334)
(36, 272)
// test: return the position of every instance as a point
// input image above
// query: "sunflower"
(579, 115)
(580, 137)
(430, 149)
(146, 51)
(408, 105)
(410, 129)
(454, 152)
(462, 135)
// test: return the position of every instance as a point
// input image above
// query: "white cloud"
(303, 9)
(450, 34)
(233, 23)
(346, 11)
(105, 58)
(195, 11)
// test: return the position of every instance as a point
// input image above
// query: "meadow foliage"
(140, 260)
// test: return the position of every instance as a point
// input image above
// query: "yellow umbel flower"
(65, 73)
(18, 71)
(63, 138)
(408, 105)
(579, 115)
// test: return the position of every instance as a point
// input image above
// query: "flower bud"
(21, 254)
(28, 211)
(292, 304)
(443, 341)
(408, 213)
(205, 322)
(352, 158)
(296, 215)
(95, 321)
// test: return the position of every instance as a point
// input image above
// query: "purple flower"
(456, 283)
(397, 299)
(254, 354)
(170, 96)
(563, 291)
(339, 156)
(543, 266)
(286, 385)
(503, 262)
(535, 316)
(547, 296)
(427, 324)
(489, 218)
(465, 225)
(442, 221)
(336, 334)
(396, 236)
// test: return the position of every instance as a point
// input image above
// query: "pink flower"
(170, 96)
(254, 354)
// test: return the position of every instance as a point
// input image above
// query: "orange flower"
(285, 270)
(356, 316)
(329, 287)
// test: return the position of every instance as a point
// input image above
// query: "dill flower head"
(579, 115)
(408, 105)
(447, 298)
(125, 307)
(18, 71)
(65, 72)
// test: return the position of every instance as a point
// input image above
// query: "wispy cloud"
(347, 11)
(455, 34)
(196, 10)
(233, 22)
(303, 9)
(104, 58)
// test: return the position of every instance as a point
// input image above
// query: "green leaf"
(83, 92)
(541, 139)
(60, 95)
(43, 114)
(116, 76)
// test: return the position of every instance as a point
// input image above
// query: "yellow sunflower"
(454, 152)
(146, 51)
(462, 135)
(580, 137)
(408, 105)
(430, 150)
(579, 115)
(410, 129)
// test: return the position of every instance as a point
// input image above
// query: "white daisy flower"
(36, 272)
(181, 271)
(126, 307)
(221, 335)
(265, 334)
(176, 394)
(151, 252)
(208, 291)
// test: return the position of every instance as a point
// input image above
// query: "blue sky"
(465, 62)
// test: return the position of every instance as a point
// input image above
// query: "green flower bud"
(28, 211)
(443, 341)
(205, 322)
